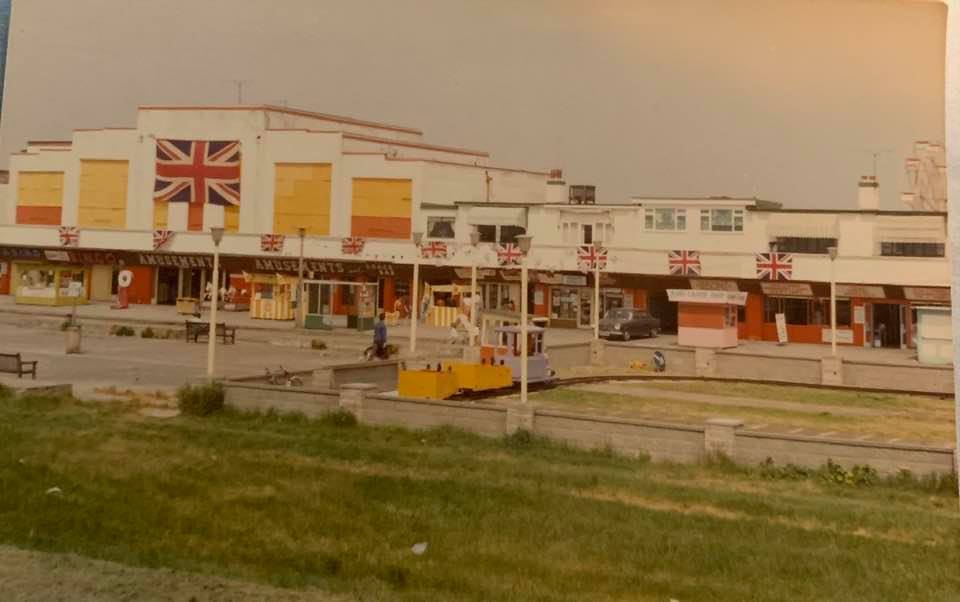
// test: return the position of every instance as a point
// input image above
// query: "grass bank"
(323, 504)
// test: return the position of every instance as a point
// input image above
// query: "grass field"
(921, 419)
(317, 504)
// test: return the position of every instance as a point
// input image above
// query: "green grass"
(330, 504)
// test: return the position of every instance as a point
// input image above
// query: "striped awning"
(498, 216)
(802, 225)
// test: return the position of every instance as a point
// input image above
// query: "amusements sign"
(712, 297)
(701, 284)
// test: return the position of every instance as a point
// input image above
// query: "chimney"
(556, 188)
(868, 193)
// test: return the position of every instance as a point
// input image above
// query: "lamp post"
(217, 235)
(524, 242)
(832, 252)
(596, 295)
(415, 315)
(301, 232)
(474, 241)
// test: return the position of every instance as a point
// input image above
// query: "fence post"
(705, 362)
(831, 371)
(720, 436)
(597, 347)
(352, 396)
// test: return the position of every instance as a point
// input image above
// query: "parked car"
(628, 323)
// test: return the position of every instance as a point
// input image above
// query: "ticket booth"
(707, 318)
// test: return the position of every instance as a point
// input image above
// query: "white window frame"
(735, 215)
(446, 218)
(650, 219)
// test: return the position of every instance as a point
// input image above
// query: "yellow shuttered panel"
(231, 218)
(103, 194)
(302, 198)
(40, 189)
(160, 215)
(381, 208)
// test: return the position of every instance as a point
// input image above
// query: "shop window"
(665, 219)
(797, 244)
(440, 227)
(347, 296)
(911, 249)
(564, 303)
(721, 220)
(806, 312)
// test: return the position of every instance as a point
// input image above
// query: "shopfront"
(49, 284)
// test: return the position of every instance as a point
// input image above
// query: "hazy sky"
(781, 99)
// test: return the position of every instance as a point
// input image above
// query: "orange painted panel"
(795, 333)
(539, 309)
(141, 289)
(380, 227)
(195, 217)
(5, 269)
(753, 329)
(44, 216)
(692, 315)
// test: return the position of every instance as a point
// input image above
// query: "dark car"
(628, 323)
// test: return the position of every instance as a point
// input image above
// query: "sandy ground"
(35, 576)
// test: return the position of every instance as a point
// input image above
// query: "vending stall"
(707, 318)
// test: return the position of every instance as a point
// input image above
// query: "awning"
(915, 228)
(802, 225)
(497, 216)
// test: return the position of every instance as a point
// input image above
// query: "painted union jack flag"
(271, 243)
(352, 245)
(684, 263)
(161, 238)
(69, 236)
(198, 172)
(434, 250)
(509, 254)
(774, 266)
(590, 257)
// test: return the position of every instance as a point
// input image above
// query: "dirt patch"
(27, 576)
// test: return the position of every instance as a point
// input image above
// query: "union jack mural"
(161, 238)
(434, 250)
(775, 266)
(684, 263)
(590, 257)
(352, 245)
(198, 172)
(69, 236)
(509, 254)
(271, 243)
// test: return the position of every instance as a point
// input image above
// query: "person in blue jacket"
(380, 337)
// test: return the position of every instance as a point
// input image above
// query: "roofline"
(856, 211)
(379, 140)
(442, 162)
(49, 142)
(495, 204)
(287, 111)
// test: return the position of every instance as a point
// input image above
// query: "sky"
(780, 99)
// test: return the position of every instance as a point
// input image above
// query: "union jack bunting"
(434, 250)
(775, 266)
(590, 257)
(271, 243)
(161, 238)
(352, 245)
(509, 254)
(198, 172)
(684, 263)
(69, 236)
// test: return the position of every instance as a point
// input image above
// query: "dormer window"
(721, 220)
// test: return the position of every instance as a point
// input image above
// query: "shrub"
(318, 345)
(122, 331)
(200, 400)
(148, 333)
(790, 472)
(519, 439)
(858, 475)
(5, 391)
(340, 417)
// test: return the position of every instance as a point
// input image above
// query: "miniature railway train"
(498, 369)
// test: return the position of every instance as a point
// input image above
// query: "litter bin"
(73, 338)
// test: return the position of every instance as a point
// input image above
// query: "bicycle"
(282, 377)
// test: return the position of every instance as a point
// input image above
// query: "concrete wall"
(680, 361)
(382, 374)
(762, 367)
(661, 441)
(931, 379)
(564, 357)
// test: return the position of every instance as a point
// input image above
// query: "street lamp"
(301, 232)
(415, 314)
(596, 294)
(217, 235)
(524, 241)
(832, 252)
(474, 241)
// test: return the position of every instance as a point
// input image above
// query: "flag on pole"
(352, 245)
(509, 254)
(69, 236)
(271, 243)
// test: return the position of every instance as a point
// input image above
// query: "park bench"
(11, 362)
(194, 330)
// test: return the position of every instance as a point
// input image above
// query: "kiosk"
(707, 318)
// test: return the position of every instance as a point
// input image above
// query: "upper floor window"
(587, 234)
(440, 227)
(912, 249)
(576, 233)
(798, 244)
(721, 220)
(500, 234)
(665, 219)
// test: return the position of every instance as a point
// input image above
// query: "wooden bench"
(195, 330)
(12, 362)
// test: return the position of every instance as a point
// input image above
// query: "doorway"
(661, 307)
(167, 280)
(887, 325)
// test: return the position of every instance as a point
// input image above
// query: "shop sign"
(511, 275)
(934, 295)
(172, 260)
(549, 278)
(860, 291)
(719, 297)
(56, 255)
(844, 335)
(25, 253)
(607, 279)
(786, 289)
(573, 280)
(700, 284)
(464, 273)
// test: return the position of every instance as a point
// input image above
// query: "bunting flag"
(775, 266)
(271, 243)
(509, 254)
(434, 250)
(352, 245)
(69, 236)
(161, 238)
(590, 257)
(684, 263)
